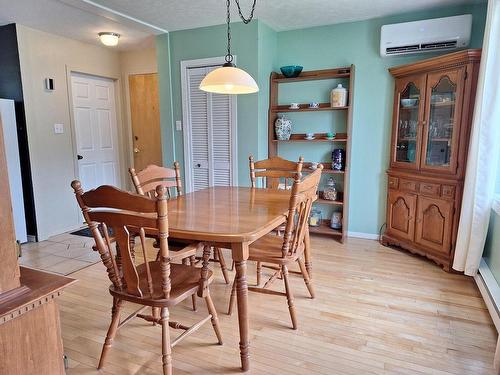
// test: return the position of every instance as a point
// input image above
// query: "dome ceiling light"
(108, 38)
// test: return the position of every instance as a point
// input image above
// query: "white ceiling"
(138, 21)
(279, 14)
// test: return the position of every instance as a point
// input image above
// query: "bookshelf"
(341, 140)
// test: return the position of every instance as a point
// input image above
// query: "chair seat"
(268, 249)
(184, 283)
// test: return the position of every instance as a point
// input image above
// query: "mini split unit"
(437, 34)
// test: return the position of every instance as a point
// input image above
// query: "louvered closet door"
(210, 134)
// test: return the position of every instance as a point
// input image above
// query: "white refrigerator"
(8, 123)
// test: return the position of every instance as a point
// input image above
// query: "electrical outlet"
(178, 125)
(58, 128)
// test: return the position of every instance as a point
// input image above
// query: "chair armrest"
(186, 251)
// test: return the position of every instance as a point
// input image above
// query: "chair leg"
(259, 273)
(166, 348)
(289, 296)
(232, 299)
(215, 319)
(113, 327)
(192, 263)
(307, 279)
(222, 262)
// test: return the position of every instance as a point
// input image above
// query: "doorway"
(96, 130)
(145, 119)
(210, 148)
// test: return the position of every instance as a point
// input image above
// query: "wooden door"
(96, 130)
(401, 215)
(434, 224)
(409, 104)
(444, 95)
(145, 118)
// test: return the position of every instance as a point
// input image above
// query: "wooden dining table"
(232, 218)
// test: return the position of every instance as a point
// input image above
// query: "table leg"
(307, 253)
(242, 298)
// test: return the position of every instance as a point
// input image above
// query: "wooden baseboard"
(366, 236)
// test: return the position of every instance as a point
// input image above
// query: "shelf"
(304, 107)
(326, 201)
(408, 108)
(324, 228)
(313, 75)
(327, 168)
(407, 139)
(440, 139)
(443, 104)
(320, 137)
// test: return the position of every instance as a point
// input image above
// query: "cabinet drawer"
(408, 185)
(430, 189)
(448, 191)
(393, 182)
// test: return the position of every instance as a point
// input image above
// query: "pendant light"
(229, 79)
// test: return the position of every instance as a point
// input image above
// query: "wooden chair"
(145, 183)
(273, 173)
(159, 284)
(286, 250)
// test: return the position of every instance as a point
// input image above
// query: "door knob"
(198, 165)
(79, 157)
(136, 150)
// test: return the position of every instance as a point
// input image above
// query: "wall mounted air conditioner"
(436, 34)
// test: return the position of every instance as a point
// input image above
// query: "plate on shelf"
(329, 138)
(309, 138)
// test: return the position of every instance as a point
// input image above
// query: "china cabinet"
(433, 107)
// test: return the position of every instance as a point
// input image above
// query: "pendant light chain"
(246, 20)
(229, 56)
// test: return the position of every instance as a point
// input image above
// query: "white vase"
(283, 128)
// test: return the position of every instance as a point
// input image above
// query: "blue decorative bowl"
(291, 71)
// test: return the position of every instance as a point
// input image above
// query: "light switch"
(58, 128)
(178, 125)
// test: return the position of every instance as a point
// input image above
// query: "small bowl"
(291, 71)
(409, 102)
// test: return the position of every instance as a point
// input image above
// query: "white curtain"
(484, 146)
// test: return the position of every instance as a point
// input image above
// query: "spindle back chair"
(145, 183)
(274, 173)
(286, 250)
(160, 283)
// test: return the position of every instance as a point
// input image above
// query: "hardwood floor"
(377, 311)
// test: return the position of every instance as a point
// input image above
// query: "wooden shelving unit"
(341, 139)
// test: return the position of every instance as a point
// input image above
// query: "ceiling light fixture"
(229, 79)
(108, 38)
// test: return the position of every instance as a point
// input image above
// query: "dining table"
(230, 218)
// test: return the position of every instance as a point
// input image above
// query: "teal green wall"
(492, 247)
(267, 58)
(357, 43)
(204, 43)
(260, 50)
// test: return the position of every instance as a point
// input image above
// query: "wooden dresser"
(433, 108)
(30, 333)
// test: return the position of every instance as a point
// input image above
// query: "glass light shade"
(229, 80)
(109, 39)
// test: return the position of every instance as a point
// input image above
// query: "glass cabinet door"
(408, 116)
(442, 121)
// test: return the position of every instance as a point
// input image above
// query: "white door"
(209, 134)
(96, 130)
